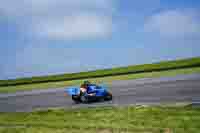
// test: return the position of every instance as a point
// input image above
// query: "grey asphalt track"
(179, 89)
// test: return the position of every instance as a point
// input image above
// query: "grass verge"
(155, 67)
(104, 120)
(107, 80)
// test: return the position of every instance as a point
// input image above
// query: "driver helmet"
(86, 82)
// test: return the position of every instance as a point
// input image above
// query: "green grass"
(104, 120)
(105, 80)
(165, 65)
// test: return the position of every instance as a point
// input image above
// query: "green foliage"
(166, 65)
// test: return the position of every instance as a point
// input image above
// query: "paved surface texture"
(179, 89)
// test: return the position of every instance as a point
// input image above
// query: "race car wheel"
(84, 99)
(75, 99)
(108, 97)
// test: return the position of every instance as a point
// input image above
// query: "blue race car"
(94, 93)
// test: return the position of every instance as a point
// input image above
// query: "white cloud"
(174, 23)
(82, 26)
(63, 19)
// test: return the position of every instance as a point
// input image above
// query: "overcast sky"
(40, 37)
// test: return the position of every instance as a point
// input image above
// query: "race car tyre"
(108, 97)
(76, 102)
(84, 99)
(75, 99)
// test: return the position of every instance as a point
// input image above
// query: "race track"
(177, 89)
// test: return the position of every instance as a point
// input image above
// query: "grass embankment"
(162, 66)
(104, 120)
(107, 79)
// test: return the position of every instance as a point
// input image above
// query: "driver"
(84, 88)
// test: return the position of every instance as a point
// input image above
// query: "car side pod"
(72, 91)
